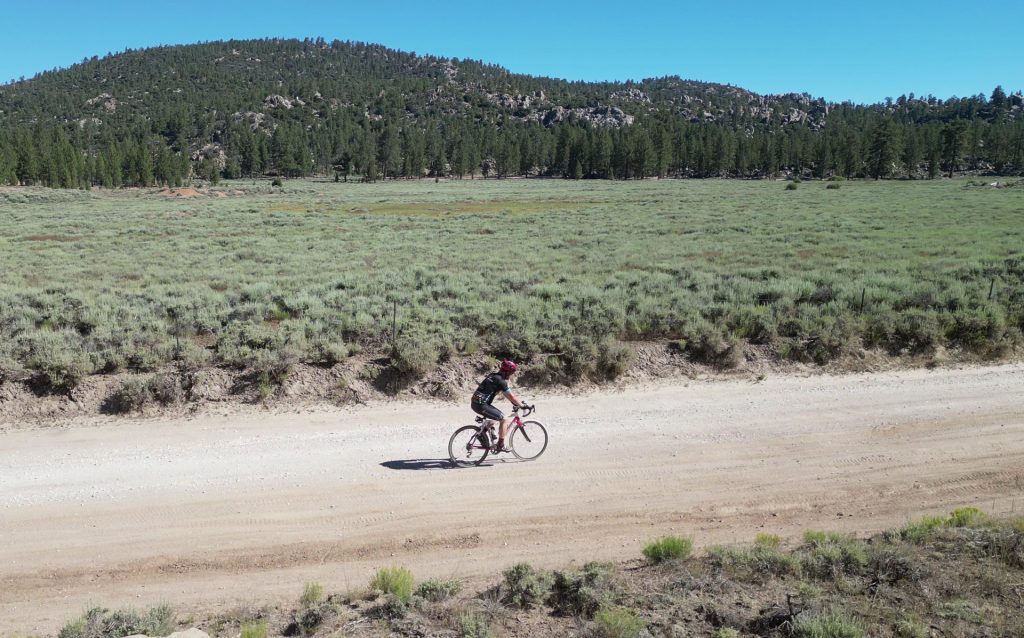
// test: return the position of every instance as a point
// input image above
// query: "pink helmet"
(507, 368)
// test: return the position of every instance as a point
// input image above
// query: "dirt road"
(231, 509)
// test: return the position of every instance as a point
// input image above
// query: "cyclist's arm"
(511, 397)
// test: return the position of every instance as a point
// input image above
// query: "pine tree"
(952, 144)
(883, 149)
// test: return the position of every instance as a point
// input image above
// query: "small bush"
(959, 609)
(754, 562)
(436, 590)
(832, 187)
(277, 182)
(393, 608)
(414, 357)
(136, 392)
(101, 623)
(581, 593)
(830, 555)
(891, 564)
(613, 359)
(396, 581)
(524, 587)
(791, 186)
(309, 619)
(828, 624)
(618, 622)
(312, 594)
(254, 629)
(910, 627)
(130, 397)
(669, 547)
(473, 624)
(966, 517)
(918, 532)
(769, 541)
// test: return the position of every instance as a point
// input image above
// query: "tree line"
(658, 146)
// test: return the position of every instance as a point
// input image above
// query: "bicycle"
(471, 444)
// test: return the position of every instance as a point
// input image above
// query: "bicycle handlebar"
(527, 409)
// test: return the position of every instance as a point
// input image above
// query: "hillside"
(292, 108)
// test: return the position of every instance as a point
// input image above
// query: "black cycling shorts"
(487, 410)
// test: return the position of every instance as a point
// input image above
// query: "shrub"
(277, 182)
(727, 632)
(254, 629)
(891, 565)
(101, 623)
(705, 344)
(396, 581)
(966, 517)
(910, 627)
(959, 609)
(618, 622)
(130, 397)
(791, 186)
(669, 547)
(436, 590)
(613, 359)
(830, 555)
(524, 587)
(312, 594)
(832, 187)
(918, 532)
(827, 624)
(473, 624)
(768, 541)
(136, 392)
(915, 331)
(581, 593)
(308, 619)
(753, 562)
(414, 356)
(57, 360)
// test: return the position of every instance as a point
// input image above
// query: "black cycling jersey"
(489, 387)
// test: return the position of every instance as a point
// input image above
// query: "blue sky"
(862, 51)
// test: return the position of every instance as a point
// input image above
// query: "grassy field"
(259, 278)
(957, 575)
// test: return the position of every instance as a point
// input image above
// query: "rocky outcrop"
(277, 102)
(631, 95)
(106, 100)
(610, 116)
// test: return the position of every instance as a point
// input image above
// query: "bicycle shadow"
(419, 464)
(441, 464)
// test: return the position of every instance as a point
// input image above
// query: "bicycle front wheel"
(465, 447)
(529, 441)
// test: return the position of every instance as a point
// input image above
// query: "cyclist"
(489, 388)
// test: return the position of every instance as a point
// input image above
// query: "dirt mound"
(181, 192)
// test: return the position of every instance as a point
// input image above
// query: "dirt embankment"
(240, 504)
(368, 378)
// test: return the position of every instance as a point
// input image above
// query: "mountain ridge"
(192, 109)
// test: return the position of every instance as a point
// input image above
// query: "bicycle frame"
(517, 422)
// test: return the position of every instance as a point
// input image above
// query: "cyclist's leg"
(495, 414)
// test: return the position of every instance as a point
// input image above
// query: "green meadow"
(563, 273)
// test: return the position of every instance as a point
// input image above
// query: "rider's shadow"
(439, 464)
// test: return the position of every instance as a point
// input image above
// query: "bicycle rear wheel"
(529, 441)
(465, 447)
